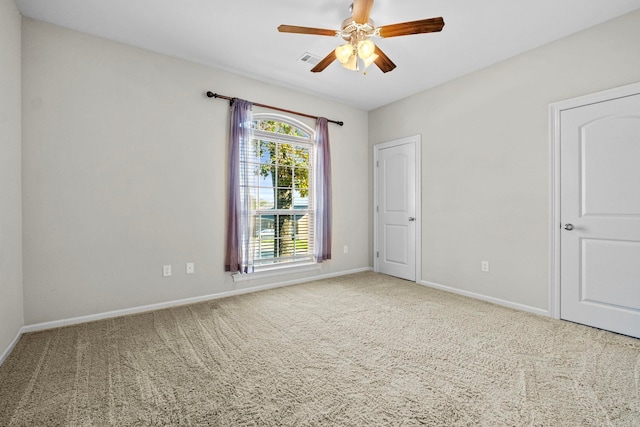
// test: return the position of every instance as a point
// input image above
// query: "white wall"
(11, 313)
(485, 158)
(125, 170)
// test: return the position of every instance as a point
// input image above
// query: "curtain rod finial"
(211, 94)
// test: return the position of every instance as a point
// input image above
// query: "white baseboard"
(175, 303)
(486, 298)
(11, 346)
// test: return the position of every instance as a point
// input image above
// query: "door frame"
(555, 109)
(416, 140)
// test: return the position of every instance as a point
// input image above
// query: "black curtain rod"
(215, 95)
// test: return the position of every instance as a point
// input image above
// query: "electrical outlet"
(346, 249)
(485, 266)
(166, 270)
(190, 268)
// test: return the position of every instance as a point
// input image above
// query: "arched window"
(280, 185)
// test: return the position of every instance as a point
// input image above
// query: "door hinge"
(377, 254)
(377, 163)
(377, 208)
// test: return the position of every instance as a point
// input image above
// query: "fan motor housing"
(351, 28)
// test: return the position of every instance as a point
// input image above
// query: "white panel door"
(397, 210)
(600, 215)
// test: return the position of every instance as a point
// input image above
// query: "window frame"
(295, 262)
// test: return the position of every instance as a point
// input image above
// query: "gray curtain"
(323, 191)
(239, 257)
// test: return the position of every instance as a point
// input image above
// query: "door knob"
(411, 218)
(568, 227)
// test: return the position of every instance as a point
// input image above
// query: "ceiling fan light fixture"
(366, 48)
(352, 63)
(344, 53)
(370, 60)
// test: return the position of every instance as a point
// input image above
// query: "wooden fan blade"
(383, 62)
(306, 30)
(361, 11)
(430, 25)
(324, 63)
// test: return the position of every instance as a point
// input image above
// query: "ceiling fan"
(357, 31)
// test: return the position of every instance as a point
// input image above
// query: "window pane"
(266, 198)
(285, 177)
(287, 246)
(268, 125)
(267, 248)
(267, 152)
(285, 231)
(302, 234)
(278, 127)
(300, 202)
(302, 247)
(267, 175)
(284, 225)
(301, 156)
(286, 155)
(249, 174)
(301, 180)
(301, 174)
(253, 171)
(265, 243)
(266, 224)
(285, 198)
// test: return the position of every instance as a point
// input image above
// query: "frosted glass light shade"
(352, 63)
(344, 53)
(370, 60)
(366, 48)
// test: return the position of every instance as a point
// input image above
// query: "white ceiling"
(241, 36)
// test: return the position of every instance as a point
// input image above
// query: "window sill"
(276, 271)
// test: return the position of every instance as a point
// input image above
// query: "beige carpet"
(361, 350)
